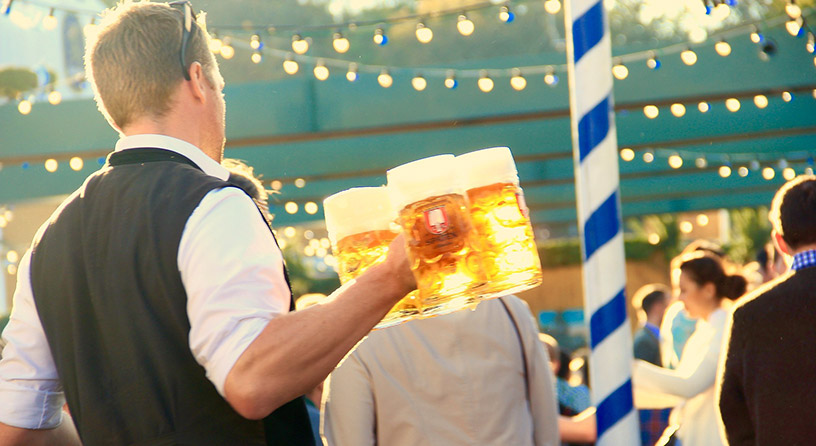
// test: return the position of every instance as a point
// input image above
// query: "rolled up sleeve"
(30, 389)
(232, 271)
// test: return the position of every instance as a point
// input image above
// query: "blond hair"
(133, 61)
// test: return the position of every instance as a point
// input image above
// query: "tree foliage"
(16, 81)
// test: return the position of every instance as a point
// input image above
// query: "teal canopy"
(336, 134)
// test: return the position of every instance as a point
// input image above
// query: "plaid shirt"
(652, 424)
(804, 259)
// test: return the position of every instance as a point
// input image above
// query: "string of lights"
(505, 15)
(322, 65)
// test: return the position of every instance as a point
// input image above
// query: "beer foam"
(423, 178)
(487, 166)
(357, 210)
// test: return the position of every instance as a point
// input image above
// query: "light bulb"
(505, 15)
(552, 6)
(701, 162)
(742, 171)
(351, 75)
(50, 22)
(290, 66)
(215, 45)
(227, 51)
(340, 43)
(703, 107)
(653, 63)
(54, 97)
(384, 79)
(722, 48)
(90, 28)
(517, 81)
(732, 104)
(651, 111)
(620, 71)
(450, 81)
(761, 101)
(627, 154)
(689, 57)
(725, 171)
(256, 57)
(786, 96)
(255, 42)
(793, 27)
(768, 173)
(423, 33)
(648, 156)
(793, 10)
(310, 207)
(810, 46)
(686, 226)
(788, 173)
(299, 44)
(51, 165)
(678, 110)
(24, 107)
(291, 207)
(321, 72)
(485, 83)
(76, 163)
(551, 79)
(465, 25)
(379, 37)
(675, 161)
(419, 83)
(720, 12)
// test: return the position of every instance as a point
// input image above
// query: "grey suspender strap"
(521, 344)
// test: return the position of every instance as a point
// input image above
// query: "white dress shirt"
(692, 384)
(232, 272)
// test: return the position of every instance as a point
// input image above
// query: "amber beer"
(501, 218)
(359, 224)
(442, 245)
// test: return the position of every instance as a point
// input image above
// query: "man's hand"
(398, 263)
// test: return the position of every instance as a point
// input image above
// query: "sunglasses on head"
(187, 27)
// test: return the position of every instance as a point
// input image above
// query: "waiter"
(154, 300)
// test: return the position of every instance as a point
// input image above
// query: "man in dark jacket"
(767, 392)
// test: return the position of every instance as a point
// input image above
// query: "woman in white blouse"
(705, 290)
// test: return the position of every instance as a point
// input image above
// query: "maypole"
(589, 54)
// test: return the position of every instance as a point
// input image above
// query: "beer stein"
(441, 243)
(501, 218)
(359, 222)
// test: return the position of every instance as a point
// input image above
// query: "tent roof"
(336, 134)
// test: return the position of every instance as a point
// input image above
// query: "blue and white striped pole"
(589, 63)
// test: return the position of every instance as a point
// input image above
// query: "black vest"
(106, 284)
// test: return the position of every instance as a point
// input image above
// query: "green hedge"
(565, 252)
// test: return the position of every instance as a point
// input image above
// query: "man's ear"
(198, 82)
(780, 243)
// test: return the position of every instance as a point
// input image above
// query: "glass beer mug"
(359, 223)
(501, 218)
(441, 243)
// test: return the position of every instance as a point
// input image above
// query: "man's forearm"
(298, 350)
